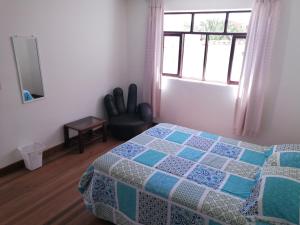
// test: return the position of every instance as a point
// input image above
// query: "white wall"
(82, 46)
(199, 105)
(281, 122)
(83, 53)
(211, 107)
(137, 24)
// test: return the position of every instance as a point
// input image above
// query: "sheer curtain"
(256, 67)
(152, 73)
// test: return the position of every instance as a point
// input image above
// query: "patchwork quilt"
(173, 175)
(276, 197)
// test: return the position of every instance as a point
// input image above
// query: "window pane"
(238, 22)
(237, 63)
(194, 47)
(218, 58)
(171, 54)
(209, 22)
(177, 22)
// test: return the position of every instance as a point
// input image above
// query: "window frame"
(180, 54)
(181, 35)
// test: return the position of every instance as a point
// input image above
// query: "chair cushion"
(126, 120)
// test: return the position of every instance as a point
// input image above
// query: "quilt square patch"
(142, 139)
(281, 199)
(87, 194)
(214, 161)
(226, 150)
(186, 130)
(238, 186)
(191, 154)
(290, 159)
(165, 146)
(122, 220)
(150, 157)
(201, 143)
(104, 211)
(288, 147)
(175, 165)
(161, 184)
(128, 150)
(178, 137)
(105, 162)
(166, 125)
(188, 194)
(212, 222)
(273, 160)
(152, 211)
(131, 173)
(209, 136)
(86, 179)
(207, 176)
(103, 190)
(252, 157)
(159, 132)
(127, 200)
(281, 171)
(229, 141)
(254, 146)
(223, 208)
(242, 169)
(184, 217)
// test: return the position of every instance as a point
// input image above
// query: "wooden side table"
(89, 129)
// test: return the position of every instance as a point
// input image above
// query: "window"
(206, 46)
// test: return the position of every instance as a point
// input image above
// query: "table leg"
(66, 136)
(81, 145)
(104, 132)
(90, 133)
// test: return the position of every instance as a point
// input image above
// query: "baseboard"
(12, 168)
(47, 155)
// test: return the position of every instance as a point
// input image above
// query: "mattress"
(170, 174)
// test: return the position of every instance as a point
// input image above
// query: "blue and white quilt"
(276, 197)
(173, 175)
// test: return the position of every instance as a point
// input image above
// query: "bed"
(174, 175)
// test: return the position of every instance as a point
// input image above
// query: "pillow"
(284, 159)
(275, 198)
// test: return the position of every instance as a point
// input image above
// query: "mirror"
(28, 66)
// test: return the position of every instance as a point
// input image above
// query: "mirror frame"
(19, 71)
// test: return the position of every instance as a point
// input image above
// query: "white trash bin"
(32, 155)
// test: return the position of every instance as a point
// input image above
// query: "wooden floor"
(49, 195)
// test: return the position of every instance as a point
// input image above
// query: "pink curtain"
(256, 67)
(152, 73)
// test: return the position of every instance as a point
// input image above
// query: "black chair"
(127, 123)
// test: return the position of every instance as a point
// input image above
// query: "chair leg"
(66, 137)
(104, 132)
(81, 144)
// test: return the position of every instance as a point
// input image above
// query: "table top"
(86, 123)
